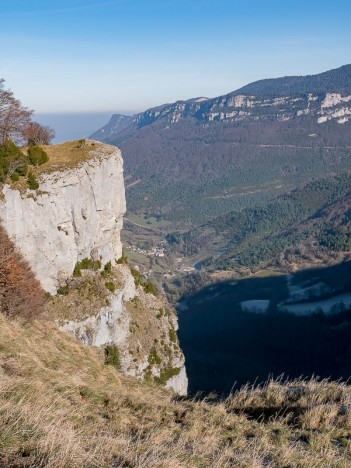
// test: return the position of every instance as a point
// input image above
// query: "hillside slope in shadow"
(226, 347)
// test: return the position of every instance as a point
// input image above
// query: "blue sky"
(128, 55)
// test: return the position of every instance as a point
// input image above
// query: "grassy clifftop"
(20, 167)
(72, 153)
(61, 406)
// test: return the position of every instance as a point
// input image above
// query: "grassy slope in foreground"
(60, 406)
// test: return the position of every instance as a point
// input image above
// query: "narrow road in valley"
(297, 146)
(144, 227)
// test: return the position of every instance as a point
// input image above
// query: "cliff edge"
(69, 232)
(76, 213)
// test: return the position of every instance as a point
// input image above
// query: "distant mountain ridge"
(116, 124)
(326, 96)
(337, 80)
(190, 161)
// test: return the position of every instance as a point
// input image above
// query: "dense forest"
(191, 180)
(319, 212)
(334, 80)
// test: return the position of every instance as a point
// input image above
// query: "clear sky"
(128, 55)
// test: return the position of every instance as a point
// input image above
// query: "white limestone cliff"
(77, 213)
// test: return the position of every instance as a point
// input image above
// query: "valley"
(239, 208)
(222, 180)
(261, 327)
(175, 234)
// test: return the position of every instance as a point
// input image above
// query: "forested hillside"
(318, 216)
(334, 80)
(258, 177)
(192, 174)
(190, 161)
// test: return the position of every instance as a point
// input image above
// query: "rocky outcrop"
(77, 214)
(138, 325)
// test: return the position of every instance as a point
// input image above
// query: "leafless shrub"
(20, 292)
(14, 118)
(37, 134)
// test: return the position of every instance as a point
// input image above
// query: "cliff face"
(241, 108)
(77, 214)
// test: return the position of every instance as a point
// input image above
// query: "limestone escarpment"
(241, 108)
(76, 214)
(75, 218)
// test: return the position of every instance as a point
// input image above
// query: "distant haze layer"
(73, 126)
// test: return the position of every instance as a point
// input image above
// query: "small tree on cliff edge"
(16, 122)
(37, 134)
(14, 118)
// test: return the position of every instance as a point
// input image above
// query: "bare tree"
(37, 134)
(14, 118)
(21, 294)
(17, 164)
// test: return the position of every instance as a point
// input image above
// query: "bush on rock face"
(12, 161)
(147, 285)
(112, 357)
(110, 285)
(86, 264)
(37, 156)
(32, 181)
(15, 177)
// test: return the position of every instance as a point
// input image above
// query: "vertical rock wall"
(76, 213)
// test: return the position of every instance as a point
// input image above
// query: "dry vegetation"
(160, 344)
(60, 406)
(83, 296)
(20, 292)
(58, 157)
(63, 156)
(70, 154)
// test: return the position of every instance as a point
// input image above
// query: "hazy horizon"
(74, 125)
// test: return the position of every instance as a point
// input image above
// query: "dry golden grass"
(69, 154)
(64, 156)
(60, 406)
